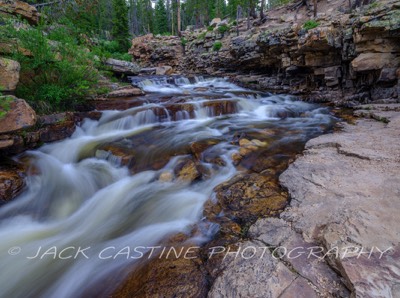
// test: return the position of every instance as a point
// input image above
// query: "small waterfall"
(81, 196)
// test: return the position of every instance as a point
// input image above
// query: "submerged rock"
(11, 180)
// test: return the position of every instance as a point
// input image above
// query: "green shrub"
(4, 105)
(223, 28)
(217, 46)
(109, 49)
(59, 74)
(310, 24)
(201, 36)
(210, 28)
(183, 41)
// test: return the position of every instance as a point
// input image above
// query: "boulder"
(123, 67)
(19, 116)
(9, 74)
(19, 8)
(374, 61)
(215, 22)
(164, 70)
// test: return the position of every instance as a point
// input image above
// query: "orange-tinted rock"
(187, 171)
(168, 276)
(199, 147)
(11, 180)
(19, 116)
(19, 8)
(250, 196)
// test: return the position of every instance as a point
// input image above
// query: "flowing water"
(86, 208)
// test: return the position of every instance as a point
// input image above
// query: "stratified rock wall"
(347, 59)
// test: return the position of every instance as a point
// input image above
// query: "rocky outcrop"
(347, 58)
(47, 128)
(157, 51)
(19, 115)
(120, 67)
(345, 197)
(9, 74)
(20, 8)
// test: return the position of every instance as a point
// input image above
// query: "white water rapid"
(81, 206)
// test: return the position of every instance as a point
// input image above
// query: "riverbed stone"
(11, 180)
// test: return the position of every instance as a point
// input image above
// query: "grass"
(217, 46)
(310, 24)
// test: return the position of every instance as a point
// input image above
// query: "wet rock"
(168, 275)
(11, 180)
(166, 177)
(187, 171)
(249, 196)
(199, 147)
(19, 116)
(123, 67)
(56, 127)
(20, 8)
(9, 74)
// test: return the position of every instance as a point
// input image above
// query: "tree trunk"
(315, 8)
(262, 9)
(238, 16)
(178, 17)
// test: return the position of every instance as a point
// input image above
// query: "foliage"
(223, 28)
(202, 35)
(217, 46)
(310, 24)
(161, 21)
(105, 49)
(183, 41)
(5, 102)
(120, 27)
(58, 73)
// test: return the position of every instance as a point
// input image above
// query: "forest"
(119, 19)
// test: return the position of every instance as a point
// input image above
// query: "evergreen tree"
(120, 29)
(161, 21)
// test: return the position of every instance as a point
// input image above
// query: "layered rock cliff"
(348, 58)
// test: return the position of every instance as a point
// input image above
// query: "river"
(87, 206)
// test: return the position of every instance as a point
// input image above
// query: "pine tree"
(161, 21)
(120, 29)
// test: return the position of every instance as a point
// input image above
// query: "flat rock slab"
(346, 194)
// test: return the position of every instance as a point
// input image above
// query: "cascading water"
(82, 206)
